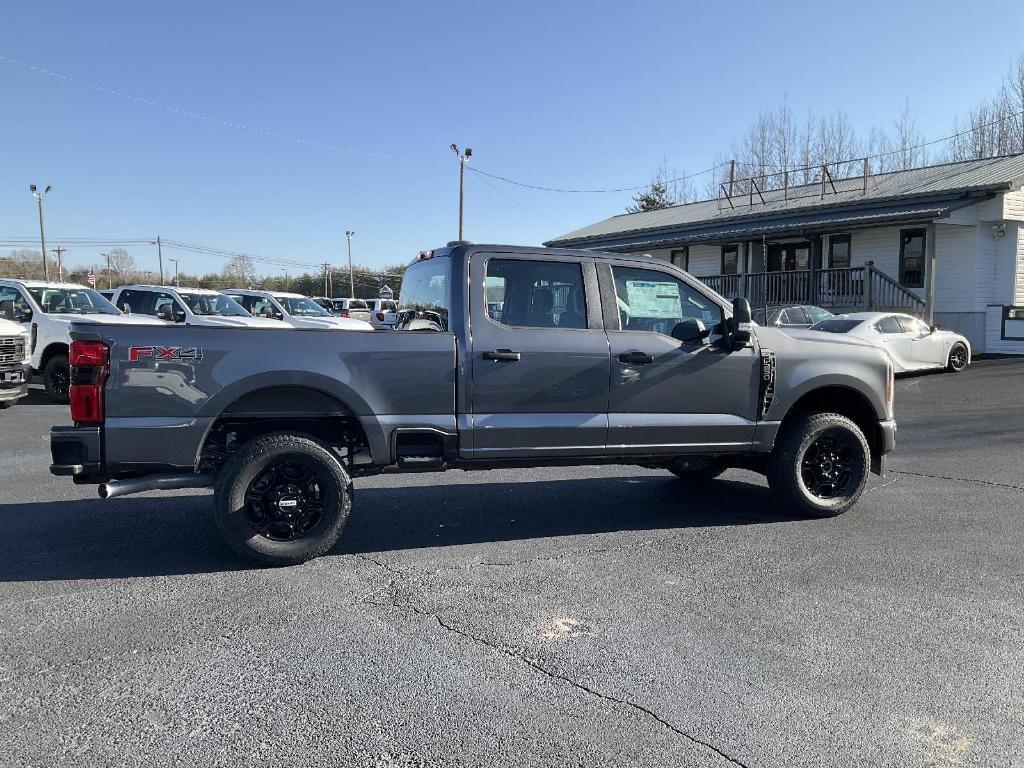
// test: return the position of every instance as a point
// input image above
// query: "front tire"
(820, 465)
(57, 378)
(957, 360)
(282, 499)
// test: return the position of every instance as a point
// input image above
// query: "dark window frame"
(832, 240)
(735, 249)
(904, 235)
(684, 252)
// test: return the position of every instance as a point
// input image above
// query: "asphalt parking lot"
(598, 616)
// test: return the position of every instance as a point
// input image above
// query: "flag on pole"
(91, 278)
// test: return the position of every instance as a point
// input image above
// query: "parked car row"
(36, 316)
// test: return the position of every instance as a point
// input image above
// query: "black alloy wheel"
(957, 358)
(285, 501)
(826, 469)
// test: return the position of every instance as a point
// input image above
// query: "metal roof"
(940, 183)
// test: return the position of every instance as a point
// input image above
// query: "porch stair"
(842, 289)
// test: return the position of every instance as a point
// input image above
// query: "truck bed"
(168, 385)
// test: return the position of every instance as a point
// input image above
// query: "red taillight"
(343, 313)
(380, 317)
(90, 366)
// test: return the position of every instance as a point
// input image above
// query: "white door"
(898, 342)
(928, 348)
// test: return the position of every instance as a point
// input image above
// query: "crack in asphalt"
(959, 479)
(622, 702)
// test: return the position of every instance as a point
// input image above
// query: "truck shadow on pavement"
(169, 535)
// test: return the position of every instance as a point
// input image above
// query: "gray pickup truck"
(502, 356)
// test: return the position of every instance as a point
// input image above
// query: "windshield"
(424, 301)
(302, 307)
(836, 325)
(81, 301)
(212, 304)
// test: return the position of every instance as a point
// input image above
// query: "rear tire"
(820, 465)
(957, 360)
(57, 378)
(282, 499)
(4, 404)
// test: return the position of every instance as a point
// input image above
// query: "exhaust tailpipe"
(113, 488)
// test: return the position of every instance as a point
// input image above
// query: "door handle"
(506, 355)
(636, 358)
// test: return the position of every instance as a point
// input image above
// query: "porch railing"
(836, 288)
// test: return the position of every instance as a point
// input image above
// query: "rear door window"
(425, 296)
(522, 293)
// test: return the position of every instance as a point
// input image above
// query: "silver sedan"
(912, 344)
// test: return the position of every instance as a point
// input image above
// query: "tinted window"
(888, 325)
(817, 314)
(793, 316)
(912, 258)
(144, 302)
(357, 304)
(536, 294)
(212, 304)
(13, 295)
(302, 307)
(425, 296)
(911, 324)
(656, 301)
(839, 251)
(836, 325)
(84, 301)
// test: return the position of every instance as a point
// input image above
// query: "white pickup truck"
(14, 364)
(45, 310)
(292, 309)
(191, 306)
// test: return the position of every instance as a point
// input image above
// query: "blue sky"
(578, 94)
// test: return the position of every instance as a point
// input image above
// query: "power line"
(516, 202)
(592, 191)
(187, 112)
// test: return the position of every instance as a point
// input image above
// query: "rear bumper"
(14, 381)
(76, 452)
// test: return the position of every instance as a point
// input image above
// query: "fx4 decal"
(187, 354)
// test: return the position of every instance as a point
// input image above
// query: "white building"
(944, 242)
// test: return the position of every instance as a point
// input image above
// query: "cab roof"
(179, 289)
(42, 283)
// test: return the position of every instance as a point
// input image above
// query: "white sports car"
(911, 343)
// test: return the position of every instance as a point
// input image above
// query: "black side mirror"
(267, 311)
(179, 316)
(739, 337)
(932, 328)
(25, 314)
(691, 331)
(126, 309)
(164, 312)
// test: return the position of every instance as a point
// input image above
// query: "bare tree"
(122, 264)
(239, 272)
(907, 140)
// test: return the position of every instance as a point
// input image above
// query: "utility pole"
(285, 278)
(325, 278)
(175, 270)
(60, 250)
(160, 257)
(351, 275)
(463, 159)
(42, 230)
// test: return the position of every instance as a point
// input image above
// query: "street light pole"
(110, 277)
(351, 275)
(175, 271)
(42, 230)
(463, 159)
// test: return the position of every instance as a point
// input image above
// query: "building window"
(730, 258)
(839, 251)
(912, 258)
(681, 258)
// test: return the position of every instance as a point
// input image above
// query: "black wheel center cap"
(290, 502)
